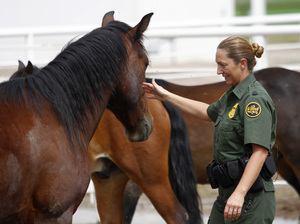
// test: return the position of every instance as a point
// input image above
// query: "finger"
(234, 214)
(151, 97)
(226, 212)
(146, 85)
(154, 83)
(239, 213)
(147, 88)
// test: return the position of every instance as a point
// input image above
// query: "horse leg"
(152, 178)
(286, 171)
(131, 196)
(109, 195)
(160, 193)
(288, 174)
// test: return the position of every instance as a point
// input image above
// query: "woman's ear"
(243, 63)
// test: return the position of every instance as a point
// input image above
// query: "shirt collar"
(240, 89)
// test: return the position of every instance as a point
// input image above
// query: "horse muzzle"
(143, 131)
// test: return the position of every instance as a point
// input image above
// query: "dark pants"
(260, 211)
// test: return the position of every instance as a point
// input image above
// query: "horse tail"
(181, 167)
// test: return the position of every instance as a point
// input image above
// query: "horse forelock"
(75, 80)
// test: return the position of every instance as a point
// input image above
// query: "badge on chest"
(232, 112)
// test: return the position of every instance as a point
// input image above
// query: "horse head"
(129, 103)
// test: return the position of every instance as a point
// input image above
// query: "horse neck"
(86, 101)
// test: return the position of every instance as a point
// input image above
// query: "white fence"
(42, 44)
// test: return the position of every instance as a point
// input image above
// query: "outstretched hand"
(156, 91)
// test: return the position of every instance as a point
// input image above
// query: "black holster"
(211, 178)
(221, 174)
(235, 171)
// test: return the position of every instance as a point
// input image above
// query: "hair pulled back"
(238, 48)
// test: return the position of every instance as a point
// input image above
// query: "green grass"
(273, 7)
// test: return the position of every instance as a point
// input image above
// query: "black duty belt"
(229, 174)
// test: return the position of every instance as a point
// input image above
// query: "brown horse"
(145, 163)
(283, 85)
(48, 119)
(168, 142)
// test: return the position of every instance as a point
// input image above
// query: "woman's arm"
(235, 202)
(193, 107)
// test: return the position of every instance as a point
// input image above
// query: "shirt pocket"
(230, 134)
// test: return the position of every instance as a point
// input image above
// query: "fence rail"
(33, 40)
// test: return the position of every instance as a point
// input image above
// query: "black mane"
(74, 80)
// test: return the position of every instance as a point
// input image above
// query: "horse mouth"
(141, 133)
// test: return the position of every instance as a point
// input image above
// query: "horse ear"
(28, 70)
(108, 17)
(137, 31)
(21, 65)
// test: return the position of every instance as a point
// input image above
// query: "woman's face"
(228, 69)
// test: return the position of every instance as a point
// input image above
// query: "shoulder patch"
(253, 109)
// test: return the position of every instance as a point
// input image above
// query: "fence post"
(258, 8)
(29, 39)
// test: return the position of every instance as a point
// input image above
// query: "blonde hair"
(238, 48)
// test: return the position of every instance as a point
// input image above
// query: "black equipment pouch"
(212, 180)
(269, 168)
(221, 174)
(258, 185)
(235, 171)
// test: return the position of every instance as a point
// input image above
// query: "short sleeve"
(258, 122)
(213, 111)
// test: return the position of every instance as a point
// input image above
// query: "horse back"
(283, 86)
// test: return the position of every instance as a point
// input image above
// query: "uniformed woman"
(245, 126)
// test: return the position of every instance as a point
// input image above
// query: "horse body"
(48, 119)
(145, 163)
(284, 87)
(30, 166)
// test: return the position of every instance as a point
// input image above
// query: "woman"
(245, 126)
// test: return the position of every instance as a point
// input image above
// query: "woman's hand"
(156, 91)
(234, 205)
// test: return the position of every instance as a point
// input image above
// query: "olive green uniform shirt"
(245, 114)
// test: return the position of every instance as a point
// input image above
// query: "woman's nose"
(219, 71)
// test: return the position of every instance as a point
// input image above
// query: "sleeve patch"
(253, 109)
